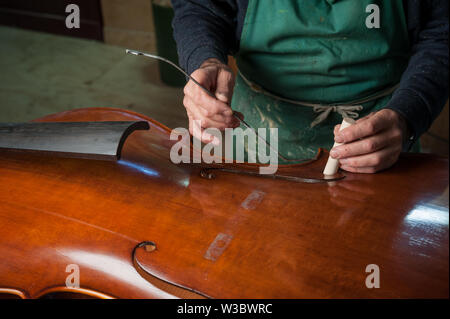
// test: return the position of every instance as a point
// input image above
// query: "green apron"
(321, 53)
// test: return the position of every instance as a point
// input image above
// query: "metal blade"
(209, 174)
(94, 140)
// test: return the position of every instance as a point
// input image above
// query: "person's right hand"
(212, 112)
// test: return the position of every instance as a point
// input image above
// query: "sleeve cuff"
(411, 106)
(201, 54)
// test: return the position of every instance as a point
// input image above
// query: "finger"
(360, 147)
(336, 129)
(218, 121)
(196, 130)
(229, 121)
(224, 86)
(365, 128)
(199, 115)
(387, 162)
(368, 116)
(211, 104)
(338, 126)
(377, 159)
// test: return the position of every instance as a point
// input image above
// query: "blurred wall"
(129, 24)
(50, 16)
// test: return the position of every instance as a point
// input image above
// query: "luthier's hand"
(212, 112)
(372, 144)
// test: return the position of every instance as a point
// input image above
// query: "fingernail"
(339, 138)
(334, 153)
(222, 97)
(343, 162)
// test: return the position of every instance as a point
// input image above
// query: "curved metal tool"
(208, 174)
(212, 95)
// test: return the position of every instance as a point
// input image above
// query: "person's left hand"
(372, 144)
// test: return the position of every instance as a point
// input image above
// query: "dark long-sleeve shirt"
(212, 29)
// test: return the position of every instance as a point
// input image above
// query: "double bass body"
(143, 227)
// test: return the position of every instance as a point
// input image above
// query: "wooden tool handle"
(333, 164)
